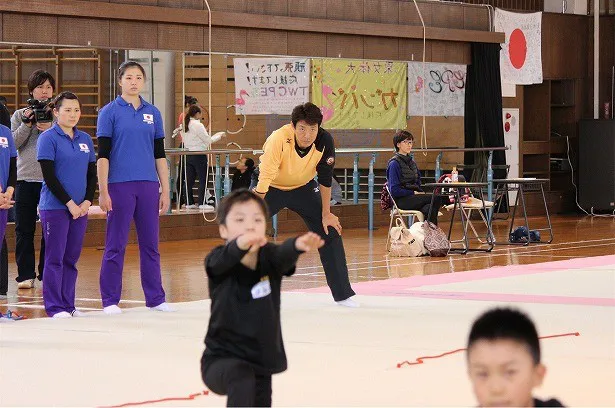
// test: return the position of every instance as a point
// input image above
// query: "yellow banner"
(359, 94)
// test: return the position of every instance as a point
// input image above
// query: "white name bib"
(261, 289)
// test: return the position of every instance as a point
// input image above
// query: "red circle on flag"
(517, 48)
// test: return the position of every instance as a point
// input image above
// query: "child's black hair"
(250, 163)
(241, 195)
(506, 324)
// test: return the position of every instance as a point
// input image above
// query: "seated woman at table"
(404, 179)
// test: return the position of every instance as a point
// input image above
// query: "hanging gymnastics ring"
(245, 119)
(204, 115)
(240, 154)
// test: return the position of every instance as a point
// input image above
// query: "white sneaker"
(61, 315)
(27, 284)
(348, 303)
(206, 208)
(112, 310)
(77, 313)
(163, 307)
(191, 207)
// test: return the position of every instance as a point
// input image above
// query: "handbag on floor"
(418, 233)
(402, 241)
(436, 241)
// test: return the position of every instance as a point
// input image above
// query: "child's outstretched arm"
(286, 255)
(222, 259)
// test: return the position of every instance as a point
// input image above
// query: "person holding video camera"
(26, 125)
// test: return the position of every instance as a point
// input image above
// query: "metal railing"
(223, 187)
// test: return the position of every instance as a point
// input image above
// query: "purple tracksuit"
(133, 188)
(71, 158)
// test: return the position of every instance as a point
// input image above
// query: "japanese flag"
(520, 57)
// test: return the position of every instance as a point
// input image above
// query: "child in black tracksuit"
(243, 345)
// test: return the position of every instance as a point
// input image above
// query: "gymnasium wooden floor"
(402, 347)
(184, 277)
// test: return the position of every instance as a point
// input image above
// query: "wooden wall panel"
(132, 34)
(381, 48)
(409, 15)
(181, 37)
(446, 51)
(475, 18)
(381, 11)
(560, 59)
(308, 44)
(267, 42)
(412, 50)
(515, 5)
(82, 31)
(187, 4)
(350, 10)
(307, 8)
(273, 7)
(138, 2)
(1, 31)
(238, 6)
(19, 28)
(344, 46)
(448, 16)
(229, 39)
(441, 132)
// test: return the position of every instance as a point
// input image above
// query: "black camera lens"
(40, 111)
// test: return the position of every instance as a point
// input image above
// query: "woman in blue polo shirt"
(131, 168)
(68, 162)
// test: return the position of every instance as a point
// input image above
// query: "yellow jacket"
(283, 167)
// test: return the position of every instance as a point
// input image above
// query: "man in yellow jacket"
(293, 156)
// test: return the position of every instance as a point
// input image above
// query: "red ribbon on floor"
(188, 398)
(419, 360)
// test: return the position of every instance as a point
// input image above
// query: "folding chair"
(471, 205)
(468, 207)
(501, 197)
(396, 212)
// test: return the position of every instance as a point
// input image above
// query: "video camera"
(40, 112)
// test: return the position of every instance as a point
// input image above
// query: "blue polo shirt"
(132, 132)
(71, 159)
(7, 150)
